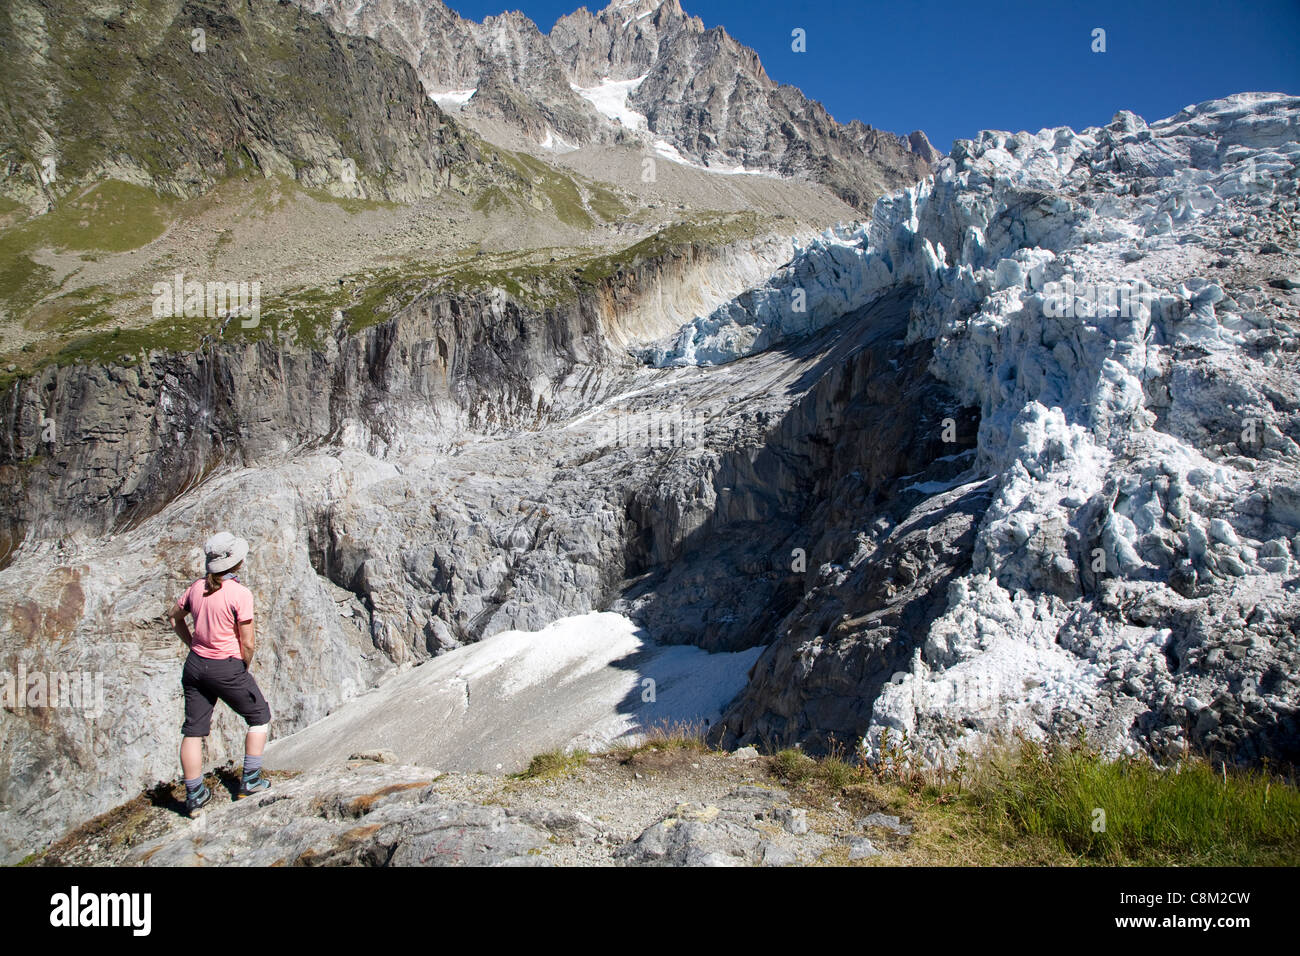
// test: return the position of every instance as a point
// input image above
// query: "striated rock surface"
(132, 436)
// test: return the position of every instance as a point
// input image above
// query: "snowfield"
(584, 681)
(610, 100)
(452, 99)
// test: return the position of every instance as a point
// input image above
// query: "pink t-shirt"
(216, 635)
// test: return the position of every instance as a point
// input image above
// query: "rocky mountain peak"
(635, 72)
(622, 41)
(920, 144)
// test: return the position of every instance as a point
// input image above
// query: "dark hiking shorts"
(205, 681)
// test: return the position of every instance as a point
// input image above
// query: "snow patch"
(582, 681)
(554, 141)
(609, 97)
(452, 99)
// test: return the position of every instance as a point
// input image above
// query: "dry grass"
(665, 737)
(362, 805)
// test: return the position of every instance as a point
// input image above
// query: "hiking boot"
(197, 800)
(254, 783)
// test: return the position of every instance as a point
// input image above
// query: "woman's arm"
(246, 642)
(182, 628)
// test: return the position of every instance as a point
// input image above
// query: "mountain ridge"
(256, 76)
(705, 97)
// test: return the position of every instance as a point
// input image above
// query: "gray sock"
(251, 765)
(193, 786)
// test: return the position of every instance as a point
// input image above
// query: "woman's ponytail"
(213, 582)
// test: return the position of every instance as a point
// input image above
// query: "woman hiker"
(221, 649)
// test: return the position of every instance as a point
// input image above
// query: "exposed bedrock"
(468, 468)
(91, 448)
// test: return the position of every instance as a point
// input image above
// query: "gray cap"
(224, 551)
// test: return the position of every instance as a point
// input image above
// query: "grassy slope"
(122, 87)
(299, 317)
(1026, 805)
(108, 217)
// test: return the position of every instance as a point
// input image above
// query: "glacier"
(1136, 392)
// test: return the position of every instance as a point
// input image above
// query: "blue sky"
(954, 68)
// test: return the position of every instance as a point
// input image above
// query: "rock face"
(641, 73)
(433, 493)
(708, 97)
(220, 87)
(623, 40)
(93, 607)
(504, 67)
(792, 509)
(132, 437)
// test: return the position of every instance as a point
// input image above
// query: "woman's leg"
(199, 702)
(240, 691)
(255, 741)
(192, 757)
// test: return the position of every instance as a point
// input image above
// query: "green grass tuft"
(793, 766)
(552, 765)
(1024, 803)
(1190, 815)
